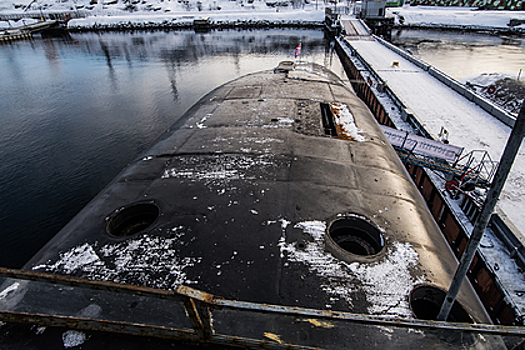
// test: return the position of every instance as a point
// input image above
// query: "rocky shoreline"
(174, 25)
(464, 28)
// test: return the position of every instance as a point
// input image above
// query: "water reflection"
(51, 52)
(464, 54)
(76, 110)
(111, 71)
(511, 41)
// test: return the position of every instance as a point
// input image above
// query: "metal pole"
(513, 145)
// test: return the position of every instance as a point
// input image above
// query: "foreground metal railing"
(199, 306)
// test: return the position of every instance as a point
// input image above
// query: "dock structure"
(25, 31)
(355, 29)
(61, 16)
(408, 94)
(5, 38)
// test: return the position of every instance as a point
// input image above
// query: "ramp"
(475, 167)
(355, 29)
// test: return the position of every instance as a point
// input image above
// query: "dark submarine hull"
(277, 188)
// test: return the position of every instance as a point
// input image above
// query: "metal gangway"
(476, 167)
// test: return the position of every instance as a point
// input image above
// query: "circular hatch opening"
(426, 302)
(356, 235)
(131, 220)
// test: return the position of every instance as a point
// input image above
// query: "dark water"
(461, 55)
(74, 111)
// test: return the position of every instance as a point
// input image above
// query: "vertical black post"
(513, 145)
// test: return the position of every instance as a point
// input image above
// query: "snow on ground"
(111, 12)
(295, 11)
(487, 79)
(455, 16)
(115, 7)
(187, 18)
(14, 24)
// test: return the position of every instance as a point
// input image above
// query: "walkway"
(355, 30)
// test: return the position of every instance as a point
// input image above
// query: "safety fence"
(206, 318)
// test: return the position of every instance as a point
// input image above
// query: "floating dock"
(25, 31)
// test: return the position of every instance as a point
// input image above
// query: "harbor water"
(461, 55)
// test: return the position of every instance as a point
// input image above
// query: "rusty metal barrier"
(199, 305)
(485, 280)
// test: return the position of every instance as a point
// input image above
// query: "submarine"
(273, 214)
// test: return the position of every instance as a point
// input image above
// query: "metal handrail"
(198, 306)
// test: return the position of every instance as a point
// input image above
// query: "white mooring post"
(511, 149)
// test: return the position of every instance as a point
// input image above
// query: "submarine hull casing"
(276, 188)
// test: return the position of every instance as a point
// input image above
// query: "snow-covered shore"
(457, 18)
(111, 14)
(123, 14)
(265, 18)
